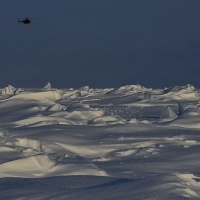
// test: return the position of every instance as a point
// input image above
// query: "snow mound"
(187, 92)
(30, 167)
(183, 107)
(47, 86)
(183, 89)
(54, 95)
(10, 90)
(189, 115)
(57, 107)
(85, 88)
(78, 106)
(189, 119)
(107, 120)
(191, 186)
(130, 89)
(168, 115)
(43, 166)
(84, 117)
(33, 144)
(74, 96)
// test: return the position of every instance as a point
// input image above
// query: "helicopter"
(26, 20)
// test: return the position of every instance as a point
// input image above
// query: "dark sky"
(100, 43)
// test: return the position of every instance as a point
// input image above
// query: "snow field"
(126, 143)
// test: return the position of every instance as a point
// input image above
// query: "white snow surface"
(130, 142)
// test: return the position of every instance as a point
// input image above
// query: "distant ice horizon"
(54, 86)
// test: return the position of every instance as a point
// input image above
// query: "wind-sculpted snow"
(129, 142)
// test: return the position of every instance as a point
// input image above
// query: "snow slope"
(130, 142)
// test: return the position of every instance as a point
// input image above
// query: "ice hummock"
(10, 90)
(47, 86)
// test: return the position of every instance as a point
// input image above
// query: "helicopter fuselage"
(26, 21)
